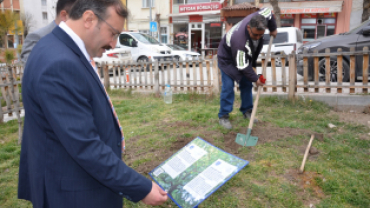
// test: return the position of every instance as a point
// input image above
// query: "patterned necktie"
(111, 104)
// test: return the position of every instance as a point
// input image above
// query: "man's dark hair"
(64, 5)
(99, 7)
(259, 22)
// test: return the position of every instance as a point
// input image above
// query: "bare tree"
(27, 20)
(366, 11)
(276, 8)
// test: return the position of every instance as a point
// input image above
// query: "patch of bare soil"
(352, 117)
(265, 132)
(306, 181)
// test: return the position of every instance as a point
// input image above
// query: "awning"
(194, 13)
(308, 7)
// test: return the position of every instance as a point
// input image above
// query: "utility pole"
(150, 16)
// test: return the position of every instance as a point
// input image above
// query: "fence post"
(365, 69)
(215, 81)
(316, 71)
(156, 78)
(327, 70)
(106, 76)
(15, 102)
(1, 112)
(339, 70)
(6, 93)
(305, 70)
(352, 68)
(292, 77)
(283, 73)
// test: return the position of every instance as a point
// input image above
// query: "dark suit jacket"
(71, 148)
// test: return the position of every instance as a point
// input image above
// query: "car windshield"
(176, 47)
(354, 30)
(144, 38)
(281, 37)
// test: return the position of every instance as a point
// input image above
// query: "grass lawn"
(338, 176)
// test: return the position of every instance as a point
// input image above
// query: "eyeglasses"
(116, 32)
(256, 35)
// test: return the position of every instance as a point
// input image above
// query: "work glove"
(261, 78)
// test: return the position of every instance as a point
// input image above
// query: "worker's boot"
(225, 122)
(248, 115)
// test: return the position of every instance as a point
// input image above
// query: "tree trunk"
(6, 41)
(276, 8)
(158, 18)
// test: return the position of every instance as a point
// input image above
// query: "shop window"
(196, 1)
(321, 31)
(309, 21)
(329, 21)
(146, 3)
(308, 32)
(287, 20)
(242, 1)
(180, 35)
(330, 30)
(213, 36)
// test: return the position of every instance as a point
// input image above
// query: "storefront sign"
(199, 7)
(195, 18)
(320, 15)
(286, 16)
(215, 24)
(308, 10)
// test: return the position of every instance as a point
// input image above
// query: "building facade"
(196, 24)
(318, 19)
(139, 18)
(13, 39)
(42, 12)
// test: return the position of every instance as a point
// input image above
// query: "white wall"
(35, 8)
(139, 17)
(356, 13)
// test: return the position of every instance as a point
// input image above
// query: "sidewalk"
(13, 117)
(340, 102)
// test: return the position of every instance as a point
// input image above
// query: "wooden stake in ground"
(306, 154)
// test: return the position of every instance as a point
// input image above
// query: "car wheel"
(333, 70)
(177, 59)
(142, 60)
(278, 62)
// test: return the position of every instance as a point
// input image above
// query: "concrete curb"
(351, 103)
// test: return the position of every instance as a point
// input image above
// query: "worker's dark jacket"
(235, 52)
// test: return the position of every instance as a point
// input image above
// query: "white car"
(181, 54)
(288, 39)
(116, 55)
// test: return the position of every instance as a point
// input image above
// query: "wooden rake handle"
(306, 154)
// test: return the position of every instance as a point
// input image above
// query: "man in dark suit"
(62, 10)
(71, 148)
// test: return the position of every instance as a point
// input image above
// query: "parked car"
(358, 37)
(116, 54)
(143, 47)
(288, 39)
(181, 54)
